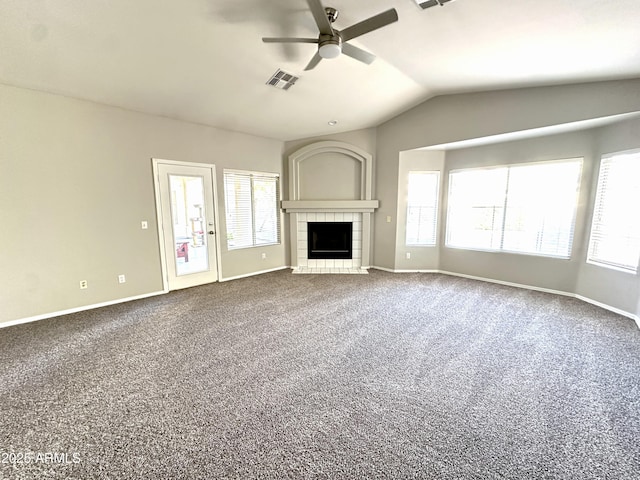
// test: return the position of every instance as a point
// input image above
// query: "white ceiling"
(203, 60)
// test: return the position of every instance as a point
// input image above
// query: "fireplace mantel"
(305, 206)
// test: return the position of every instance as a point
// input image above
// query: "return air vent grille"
(282, 80)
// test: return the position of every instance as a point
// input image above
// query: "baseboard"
(113, 302)
(391, 270)
(384, 269)
(510, 284)
(624, 313)
(78, 309)
(616, 310)
(245, 275)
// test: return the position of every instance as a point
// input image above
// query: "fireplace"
(330, 208)
(329, 240)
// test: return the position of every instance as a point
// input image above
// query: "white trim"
(510, 284)
(610, 308)
(245, 275)
(79, 309)
(44, 316)
(616, 310)
(391, 270)
(155, 165)
(311, 206)
(384, 269)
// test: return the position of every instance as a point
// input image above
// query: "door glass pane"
(189, 224)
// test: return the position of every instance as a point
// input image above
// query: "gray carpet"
(325, 376)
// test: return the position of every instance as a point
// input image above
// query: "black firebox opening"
(330, 240)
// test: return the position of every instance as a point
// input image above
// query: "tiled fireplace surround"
(306, 265)
(319, 206)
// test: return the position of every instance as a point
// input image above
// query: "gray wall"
(454, 118)
(75, 182)
(422, 258)
(604, 285)
(543, 272)
(451, 118)
(610, 287)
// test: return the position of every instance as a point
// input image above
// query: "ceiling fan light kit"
(329, 50)
(331, 42)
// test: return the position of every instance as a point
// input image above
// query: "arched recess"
(317, 152)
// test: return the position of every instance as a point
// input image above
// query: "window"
(251, 201)
(422, 208)
(615, 229)
(516, 208)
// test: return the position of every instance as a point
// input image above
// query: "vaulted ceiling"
(204, 61)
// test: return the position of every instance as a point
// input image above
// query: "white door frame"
(156, 185)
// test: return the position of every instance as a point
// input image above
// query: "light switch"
(144, 224)
(388, 218)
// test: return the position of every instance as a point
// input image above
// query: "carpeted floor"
(324, 376)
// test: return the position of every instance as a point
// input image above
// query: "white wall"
(75, 182)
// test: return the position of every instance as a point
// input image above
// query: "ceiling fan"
(332, 42)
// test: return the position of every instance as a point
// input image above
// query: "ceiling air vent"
(282, 80)
(431, 3)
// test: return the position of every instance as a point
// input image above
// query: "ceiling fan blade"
(320, 16)
(370, 24)
(288, 40)
(358, 53)
(314, 61)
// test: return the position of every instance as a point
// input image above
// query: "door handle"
(211, 232)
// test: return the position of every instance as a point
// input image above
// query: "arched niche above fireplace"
(330, 170)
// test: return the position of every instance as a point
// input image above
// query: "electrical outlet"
(408, 255)
(121, 279)
(83, 284)
(264, 256)
(144, 224)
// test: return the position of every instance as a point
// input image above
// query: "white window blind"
(615, 229)
(251, 202)
(422, 208)
(516, 208)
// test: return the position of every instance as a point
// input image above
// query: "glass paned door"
(187, 225)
